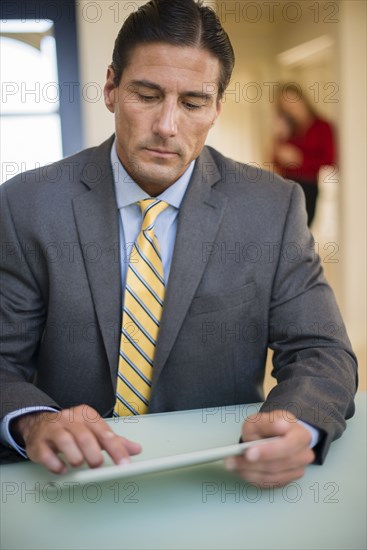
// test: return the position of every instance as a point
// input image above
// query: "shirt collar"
(128, 191)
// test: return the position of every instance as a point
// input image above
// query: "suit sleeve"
(22, 318)
(313, 362)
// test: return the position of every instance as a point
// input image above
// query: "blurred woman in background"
(303, 142)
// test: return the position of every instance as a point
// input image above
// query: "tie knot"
(151, 208)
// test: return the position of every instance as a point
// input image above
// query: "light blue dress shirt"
(128, 193)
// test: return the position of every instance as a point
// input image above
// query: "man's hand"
(78, 433)
(279, 462)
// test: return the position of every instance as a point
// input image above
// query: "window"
(40, 106)
(30, 114)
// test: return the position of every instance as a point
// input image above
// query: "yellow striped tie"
(142, 311)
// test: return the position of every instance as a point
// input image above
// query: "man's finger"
(43, 454)
(133, 447)
(64, 442)
(292, 461)
(115, 446)
(266, 425)
(292, 443)
(88, 444)
(119, 448)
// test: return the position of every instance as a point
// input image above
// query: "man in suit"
(239, 269)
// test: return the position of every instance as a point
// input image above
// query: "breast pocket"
(224, 300)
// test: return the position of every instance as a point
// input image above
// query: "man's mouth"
(163, 153)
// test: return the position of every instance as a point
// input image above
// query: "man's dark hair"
(176, 22)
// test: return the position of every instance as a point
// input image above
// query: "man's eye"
(191, 106)
(146, 98)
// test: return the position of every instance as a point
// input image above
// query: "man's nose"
(165, 123)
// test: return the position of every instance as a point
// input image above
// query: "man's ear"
(110, 90)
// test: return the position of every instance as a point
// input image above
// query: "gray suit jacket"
(244, 277)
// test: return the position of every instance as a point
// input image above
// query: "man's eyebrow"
(154, 86)
(146, 84)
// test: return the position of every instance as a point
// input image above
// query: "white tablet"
(106, 473)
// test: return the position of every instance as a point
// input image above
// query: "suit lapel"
(96, 217)
(199, 220)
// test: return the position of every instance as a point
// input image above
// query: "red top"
(317, 147)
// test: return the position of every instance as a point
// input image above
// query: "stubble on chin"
(158, 171)
(161, 176)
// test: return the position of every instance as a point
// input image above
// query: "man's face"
(164, 106)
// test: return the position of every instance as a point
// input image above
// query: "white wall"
(353, 168)
(98, 24)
